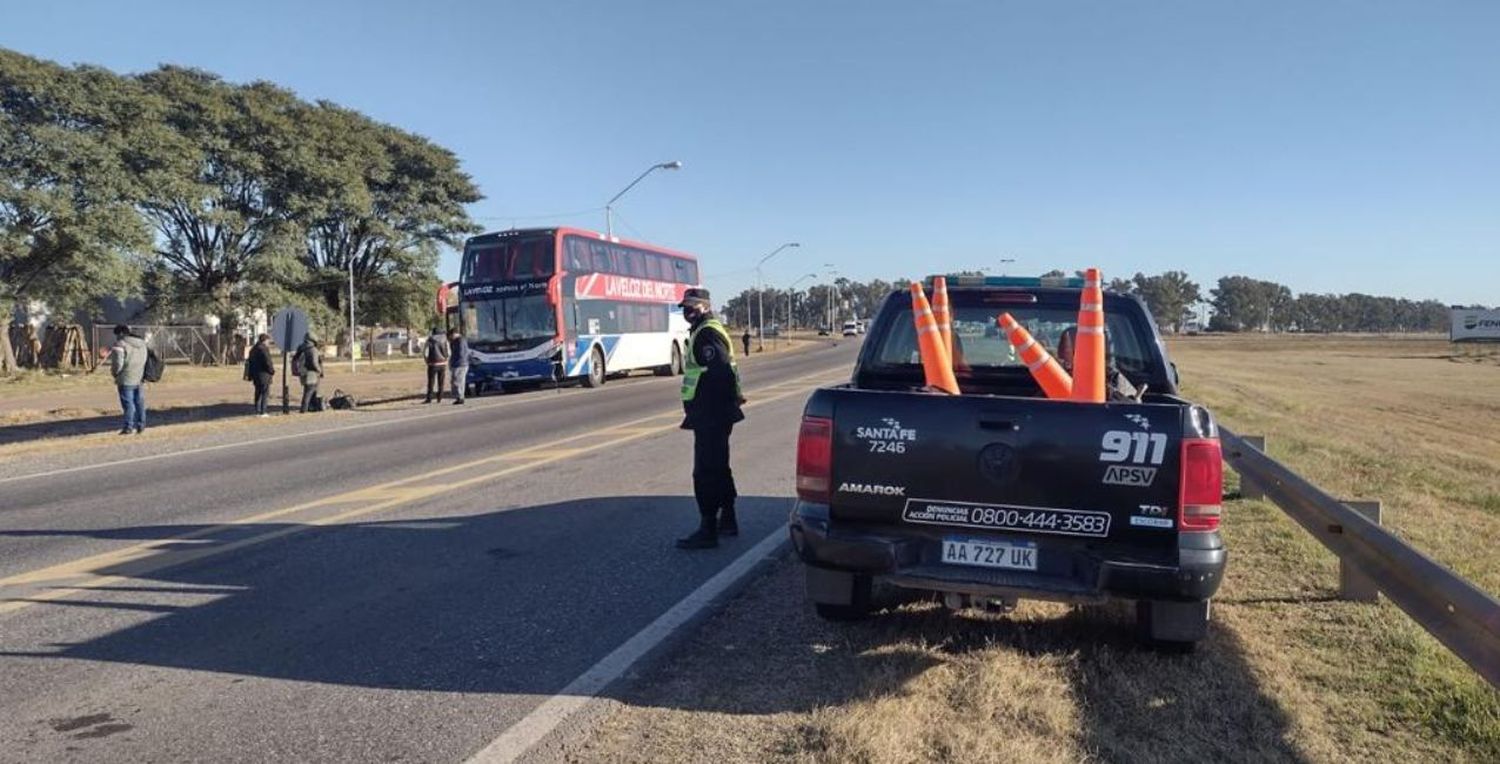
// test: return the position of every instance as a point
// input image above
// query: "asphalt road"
(405, 588)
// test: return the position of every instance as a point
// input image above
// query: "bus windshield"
(509, 259)
(506, 324)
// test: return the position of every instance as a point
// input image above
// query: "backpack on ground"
(316, 404)
(154, 367)
(342, 401)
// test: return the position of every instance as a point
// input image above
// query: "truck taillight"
(814, 459)
(1202, 489)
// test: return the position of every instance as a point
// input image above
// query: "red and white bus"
(550, 304)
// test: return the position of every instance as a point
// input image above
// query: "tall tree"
(388, 200)
(1170, 296)
(225, 196)
(66, 222)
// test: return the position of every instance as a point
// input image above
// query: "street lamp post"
(760, 295)
(791, 290)
(832, 308)
(609, 223)
(352, 338)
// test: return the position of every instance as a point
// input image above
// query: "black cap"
(696, 296)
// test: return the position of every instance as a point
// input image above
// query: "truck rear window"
(979, 345)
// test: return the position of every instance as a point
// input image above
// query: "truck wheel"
(595, 377)
(1172, 627)
(839, 596)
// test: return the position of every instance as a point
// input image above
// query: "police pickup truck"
(999, 494)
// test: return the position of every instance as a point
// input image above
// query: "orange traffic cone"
(937, 366)
(942, 313)
(1088, 357)
(1044, 368)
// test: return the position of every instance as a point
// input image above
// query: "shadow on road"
(55, 428)
(521, 600)
(516, 600)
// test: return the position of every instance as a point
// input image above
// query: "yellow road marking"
(140, 559)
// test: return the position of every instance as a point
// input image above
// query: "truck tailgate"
(1009, 466)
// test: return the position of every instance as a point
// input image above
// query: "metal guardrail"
(1461, 616)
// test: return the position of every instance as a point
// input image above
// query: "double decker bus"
(553, 304)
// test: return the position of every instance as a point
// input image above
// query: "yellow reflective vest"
(692, 371)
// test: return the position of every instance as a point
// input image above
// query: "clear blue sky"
(1331, 146)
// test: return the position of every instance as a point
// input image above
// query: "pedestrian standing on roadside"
(745, 338)
(308, 366)
(711, 403)
(260, 370)
(458, 361)
(127, 364)
(437, 364)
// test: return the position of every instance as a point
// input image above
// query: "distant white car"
(851, 328)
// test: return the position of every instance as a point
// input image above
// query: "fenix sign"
(1475, 325)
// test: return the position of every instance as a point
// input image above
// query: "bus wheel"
(674, 366)
(596, 369)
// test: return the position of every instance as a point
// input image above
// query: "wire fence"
(196, 345)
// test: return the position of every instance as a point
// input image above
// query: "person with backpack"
(307, 365)
(260, 369)
(127, 364)
(437, 364)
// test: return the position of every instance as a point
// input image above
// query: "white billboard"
(1475, 325)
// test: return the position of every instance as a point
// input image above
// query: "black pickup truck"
(1000, 494)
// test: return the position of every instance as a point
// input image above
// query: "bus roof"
(587, 234)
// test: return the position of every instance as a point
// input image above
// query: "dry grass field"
(1289, 673)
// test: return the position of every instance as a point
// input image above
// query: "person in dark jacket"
(310, 364)
(745, 338)
(458, 364)
(711, 402)
(260, 370)
(436, 354)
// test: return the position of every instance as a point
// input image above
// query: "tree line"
(1235, 304)
(199, 196)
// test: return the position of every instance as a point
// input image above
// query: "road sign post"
(288, 329)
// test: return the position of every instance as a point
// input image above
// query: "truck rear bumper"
(910, 558)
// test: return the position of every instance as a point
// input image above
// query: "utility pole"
(760, 295)
(353, 338)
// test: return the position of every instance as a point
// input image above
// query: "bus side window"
(578, 254)
(601, 256)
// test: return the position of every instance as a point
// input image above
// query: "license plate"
(985, 553)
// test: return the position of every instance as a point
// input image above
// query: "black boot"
(728, 525)
(706, 537)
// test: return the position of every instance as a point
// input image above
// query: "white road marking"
(530, 730)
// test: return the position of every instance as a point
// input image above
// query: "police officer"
(711, 400)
